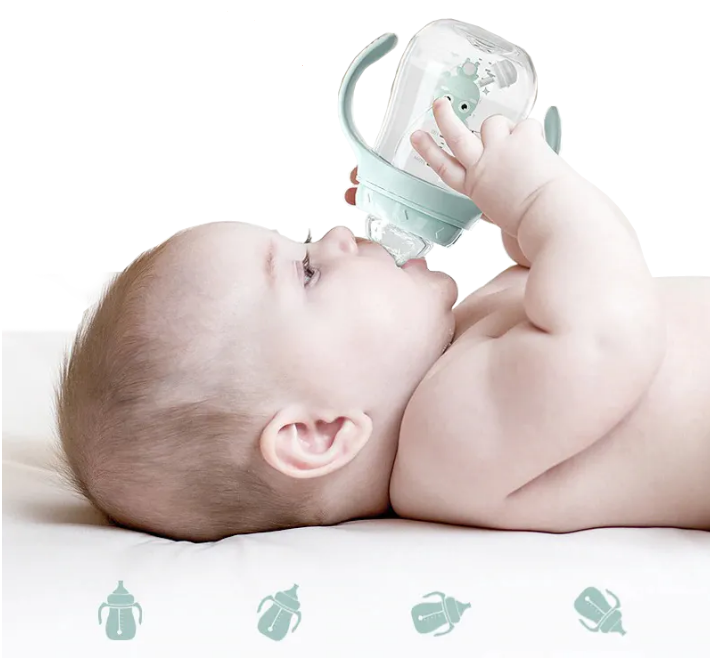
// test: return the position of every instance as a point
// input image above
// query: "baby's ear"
(305, 442)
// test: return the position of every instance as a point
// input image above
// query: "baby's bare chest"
(653, 468)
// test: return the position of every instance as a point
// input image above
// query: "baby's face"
(354, 327)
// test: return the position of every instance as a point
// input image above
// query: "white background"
(123, 122)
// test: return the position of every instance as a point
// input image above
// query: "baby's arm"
(594, 336)
(587, 269)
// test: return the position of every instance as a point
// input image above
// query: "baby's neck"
(362, 490)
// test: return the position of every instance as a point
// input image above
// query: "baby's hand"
(500, 171)
(510, 243)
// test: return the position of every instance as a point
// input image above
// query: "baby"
(232, 380)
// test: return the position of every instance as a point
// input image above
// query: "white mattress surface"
(361, 586)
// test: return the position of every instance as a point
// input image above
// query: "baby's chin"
(453, 289)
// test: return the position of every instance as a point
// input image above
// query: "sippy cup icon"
(593, 605)
(276, 620)
(429, 616)
(120, 623)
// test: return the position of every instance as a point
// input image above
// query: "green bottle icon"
(429, 616)
(120, 623)
(593, 605)
(276, 620)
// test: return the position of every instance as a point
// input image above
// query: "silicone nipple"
(120, 596)
(398, 242)
(461, 607)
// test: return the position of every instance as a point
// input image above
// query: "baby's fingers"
(351, 193)
(464, 144)
(448, 168)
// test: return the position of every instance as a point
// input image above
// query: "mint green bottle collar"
(421, 207)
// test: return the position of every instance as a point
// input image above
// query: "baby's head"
(219, 388)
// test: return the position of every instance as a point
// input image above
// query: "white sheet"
(357, 583)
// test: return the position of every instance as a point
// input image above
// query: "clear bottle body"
(481, 74)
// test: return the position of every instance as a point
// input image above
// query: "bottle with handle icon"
(276, 621)
(430, 616)
(120, 623)
(594, 606)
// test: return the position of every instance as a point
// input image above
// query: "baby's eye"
(463, 106)
(307, 270)
(448, 97)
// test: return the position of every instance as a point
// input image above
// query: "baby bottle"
(430, 616)
(592, 604)
(409, 207)
(120, 623)
(275, 622)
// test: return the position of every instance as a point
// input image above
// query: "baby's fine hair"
(179, 467)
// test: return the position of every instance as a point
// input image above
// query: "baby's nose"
(344, 239)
